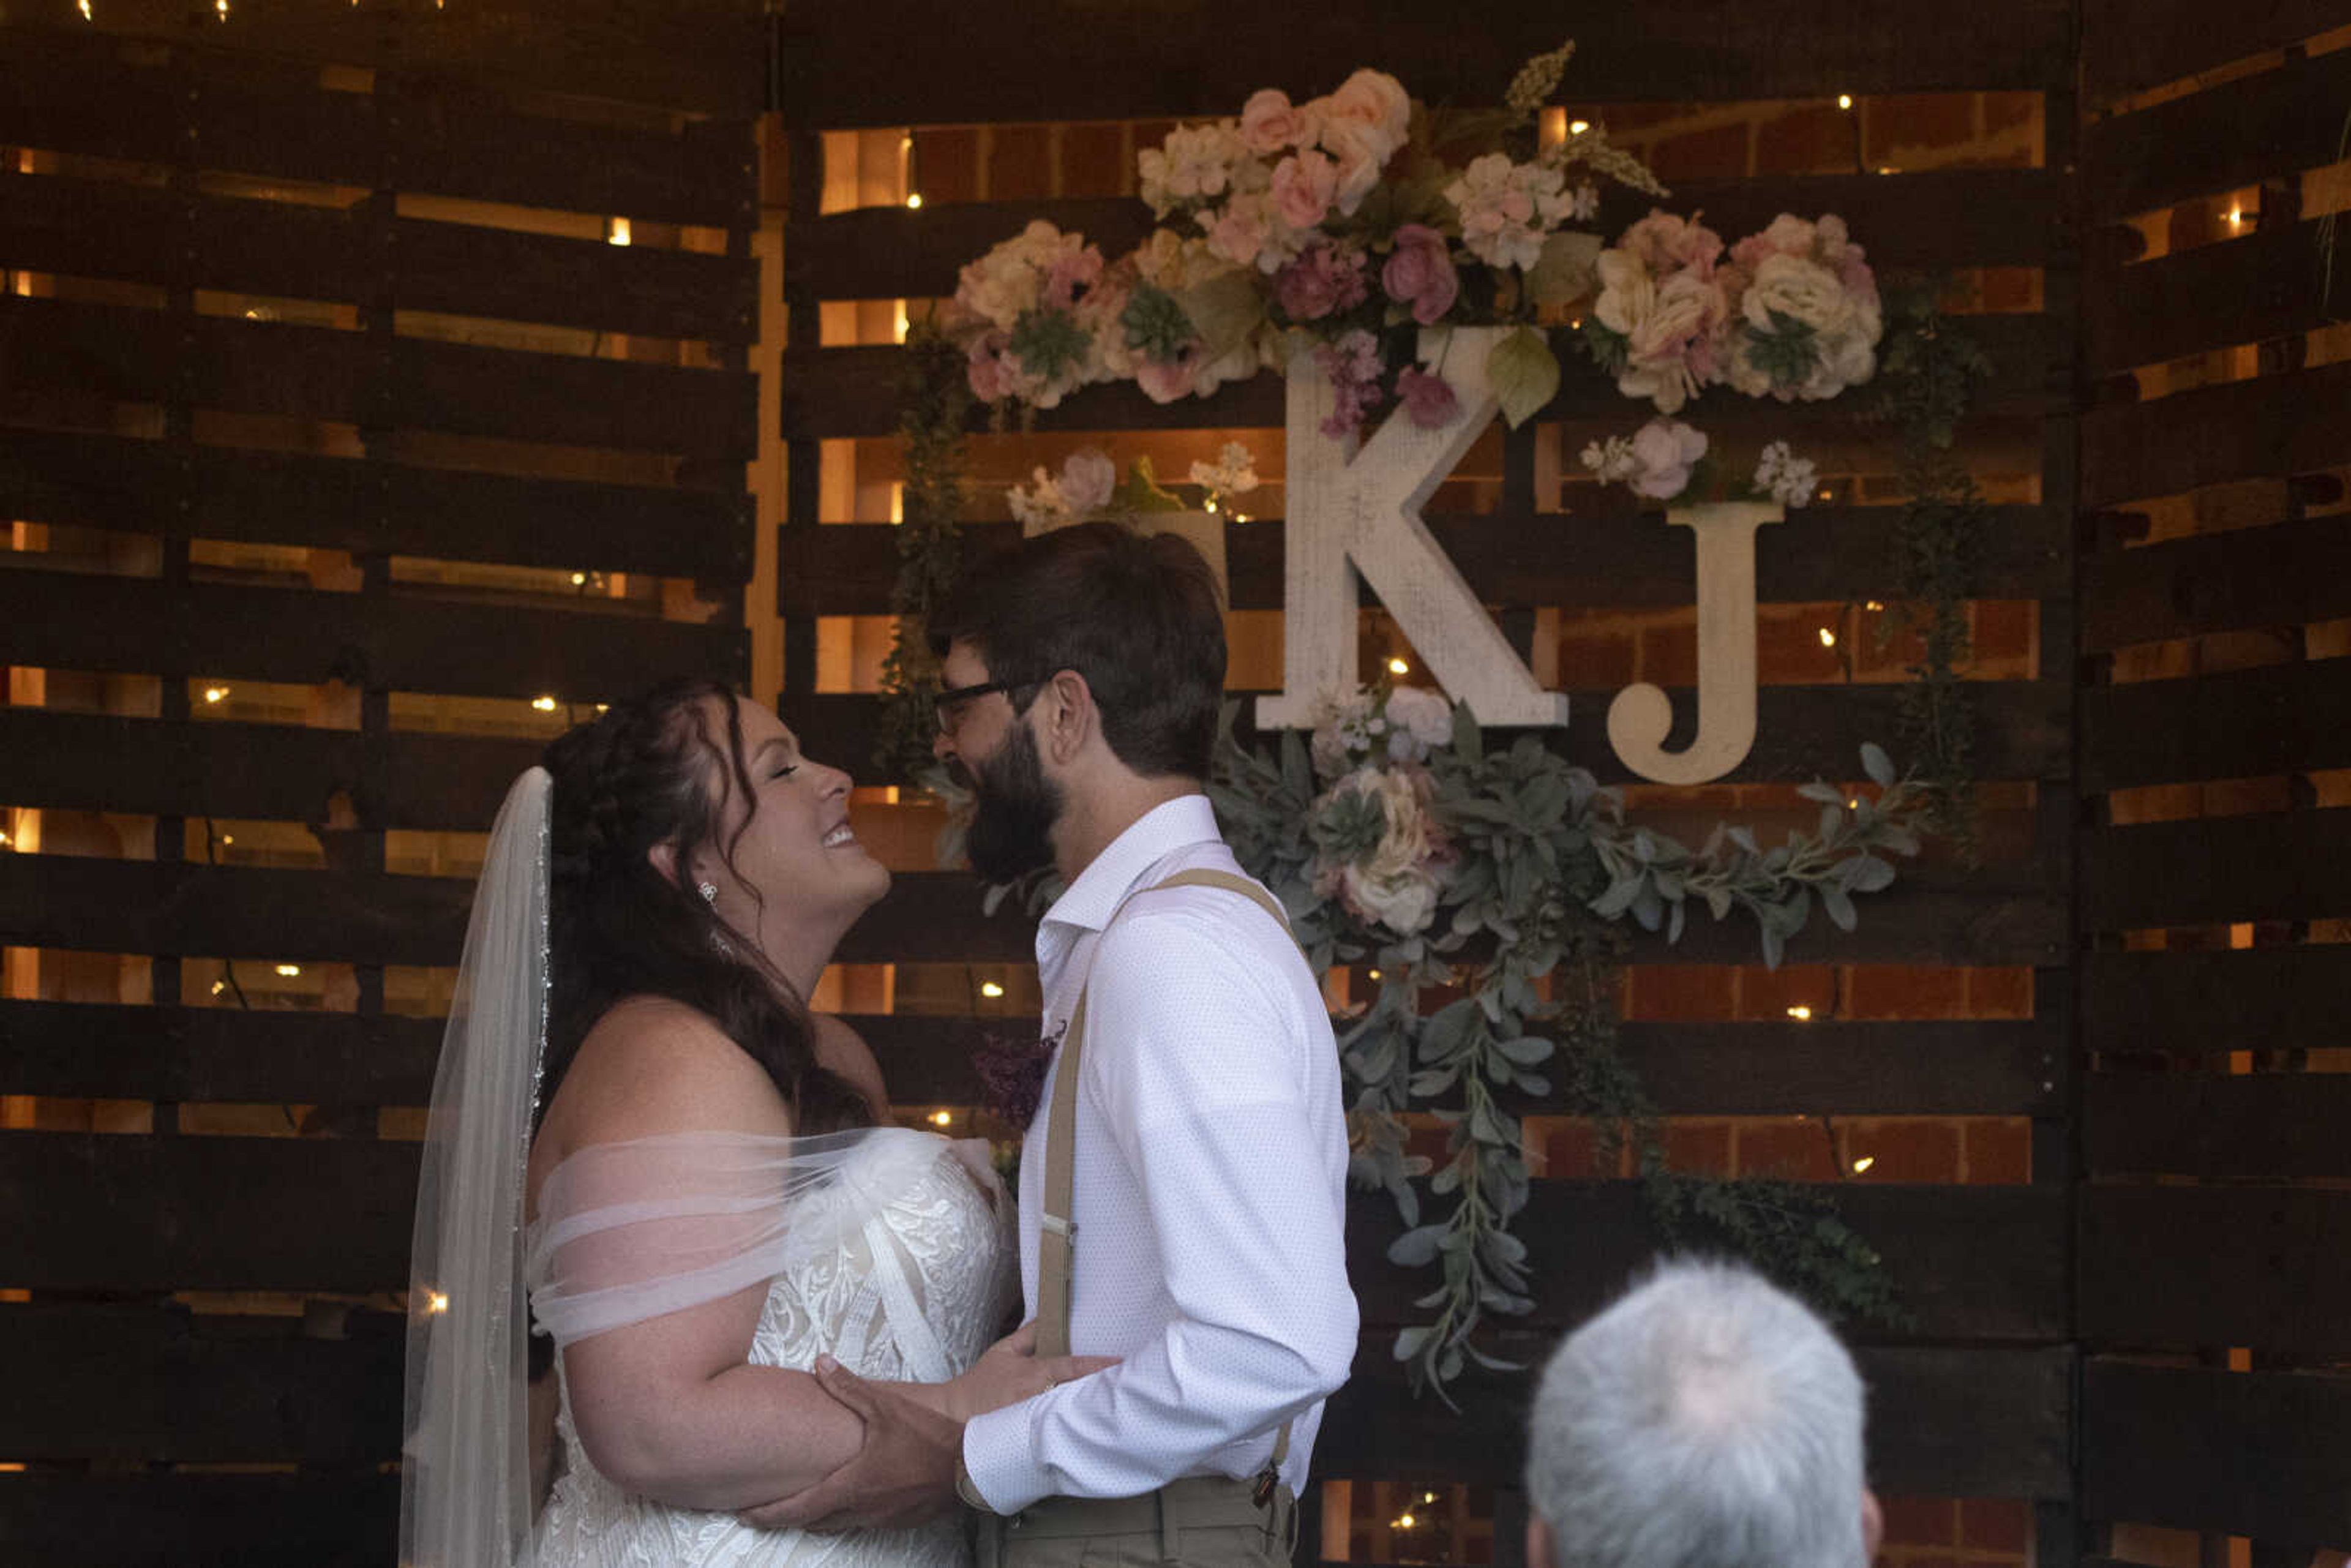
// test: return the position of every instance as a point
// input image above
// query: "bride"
(638, 1122)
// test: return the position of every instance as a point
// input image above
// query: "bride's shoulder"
(652, 1066)
(844, 1050)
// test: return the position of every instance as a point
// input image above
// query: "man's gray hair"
(1705, 1420)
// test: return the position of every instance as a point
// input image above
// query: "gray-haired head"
(1705, 1420)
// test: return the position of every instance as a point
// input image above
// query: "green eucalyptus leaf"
(1524, 373)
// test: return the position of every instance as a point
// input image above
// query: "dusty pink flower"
(1376, 100)
(1303, 186)
(1429, 398)
(1165, 380)
(1352, 365)
(1319, 281)
(1665, 242)
(1270, 124)
(1419, 273)
(991, 379)
(1240, 229)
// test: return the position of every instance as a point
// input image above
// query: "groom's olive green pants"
(1204, 1523)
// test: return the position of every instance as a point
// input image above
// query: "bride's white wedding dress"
(899, 1264)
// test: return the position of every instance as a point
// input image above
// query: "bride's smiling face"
(798, 877)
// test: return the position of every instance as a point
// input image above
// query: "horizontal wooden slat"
(2286, 718)
(1607, 558)
(860, 392)
(2276, 122)
(1953, 217)
(1969, 1262)
(2257, 999)
(2132, 44)
(101, 354)
(2263, 1454)
(149, 234)
(371, 507)
(2243, 430)
(276, 773)
(1802, 732)
(1700, 1070)
(1942, 1423)
(231, 911)
(401, 643)
(922, 64)
(74, 91)
(2249, 291)
(2284, 574)
(203, 1520)
(143, 1384)
(78, 1050)
(2281, 865)
(2275, 1126)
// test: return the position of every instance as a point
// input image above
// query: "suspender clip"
(1065, 1228)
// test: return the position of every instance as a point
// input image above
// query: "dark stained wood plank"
(859, 392)
(2134, 44)
(2284, 574)
(85, 1521)
(100, 352)
(2168, 1266)
(401, 643)
(2243, 430)
(369, 506)
(1607, 557)
(2286, 718)
(469, 270)
(1942, 1423)
(922, 64)
(2276, 122)
(85, 1051)
(1982, 1263)
(2257, 999)
(1802, 732)
(143, 1384)
(2262, 1454)
(75, 89)
(1941, 218)
(180, 909)
(1699, 1069)
(2269, 1126)
(2282, 865)
(2247, 291)
(274, 772)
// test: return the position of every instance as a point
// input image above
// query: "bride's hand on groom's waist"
(1010, 1371)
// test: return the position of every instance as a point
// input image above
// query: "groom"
(1183, 1187)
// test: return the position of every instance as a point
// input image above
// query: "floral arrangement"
(1087, 486)
(1341, 227)
(1396, 840)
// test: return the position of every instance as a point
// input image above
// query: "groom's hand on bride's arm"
(903, 1473)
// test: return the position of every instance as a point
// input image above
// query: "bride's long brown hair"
(644, 773)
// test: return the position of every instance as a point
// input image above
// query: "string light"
(617, 232)
(915, 199)
(5, 841)
(544, 704)
(221, 8)
(1406, 1522)
(1398, 667)
(2236, 216)
(219, 985)
(1429, 1496)
(1209, 505)
(1828, 638)
(1844, 100)
(992, 990)
(436, 1302)
(227, 839)
(1578, 127)
(289, 971)
(1375, 974)
(215, 693)
(1800, 1013)
(1874, 607)
(1864, 1163)
(942, 1118)
(88, 17)
(579, 579)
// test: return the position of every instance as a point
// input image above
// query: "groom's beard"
(1012, 823)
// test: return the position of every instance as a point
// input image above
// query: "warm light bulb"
(579, 579)
(2236, 216)
(1844, 100)
(1209, 505)
(227, 839)
(1429, 1496)
(617, 232)
(1853, 802)
(992, 990)
(436, 1302)
(290, 970)
(1375, 974)
(1398, 667)
(1406, 1522)
(603, 707)
(88, 17)
(1828, 638)
(1864, 1162)
(5, 840)
(914, 198)
(1873, 606)
(1578, 127)
(942, 1118)
(215, 693)
(544, 704)
(219, 985)
(1800, 1013)
(221, 8)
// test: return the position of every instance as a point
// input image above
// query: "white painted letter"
(1640, 717)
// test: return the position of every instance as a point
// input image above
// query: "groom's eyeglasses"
(946, 707)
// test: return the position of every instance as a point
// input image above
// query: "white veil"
(464, 1482)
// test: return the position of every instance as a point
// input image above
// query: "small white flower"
(1234, 473)
(1786, 477)
(1584, 205)
(1612, 462)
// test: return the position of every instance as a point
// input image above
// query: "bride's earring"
(709, 890)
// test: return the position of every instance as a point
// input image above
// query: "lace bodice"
(913, 1283)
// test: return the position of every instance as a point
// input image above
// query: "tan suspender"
(1057, 1237)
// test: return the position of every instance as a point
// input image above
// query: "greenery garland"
(930, 433)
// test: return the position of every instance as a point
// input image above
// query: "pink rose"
(1361, 153)
(1269, 124)
(1303, 186)
(1319, 282)
(985, 369)
(1167, 380)
(1378, 101)
(1428, 399)
(1419, 273)
(1665, 242)
(1240, 230)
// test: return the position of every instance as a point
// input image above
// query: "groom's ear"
(1070, 718)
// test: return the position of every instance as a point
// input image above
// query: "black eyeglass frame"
(953, 700)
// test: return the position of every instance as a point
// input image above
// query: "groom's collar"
(1090, 901)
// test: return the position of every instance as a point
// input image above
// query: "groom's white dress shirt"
(1210, 1187)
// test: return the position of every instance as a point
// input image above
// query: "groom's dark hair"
(1137, 615)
